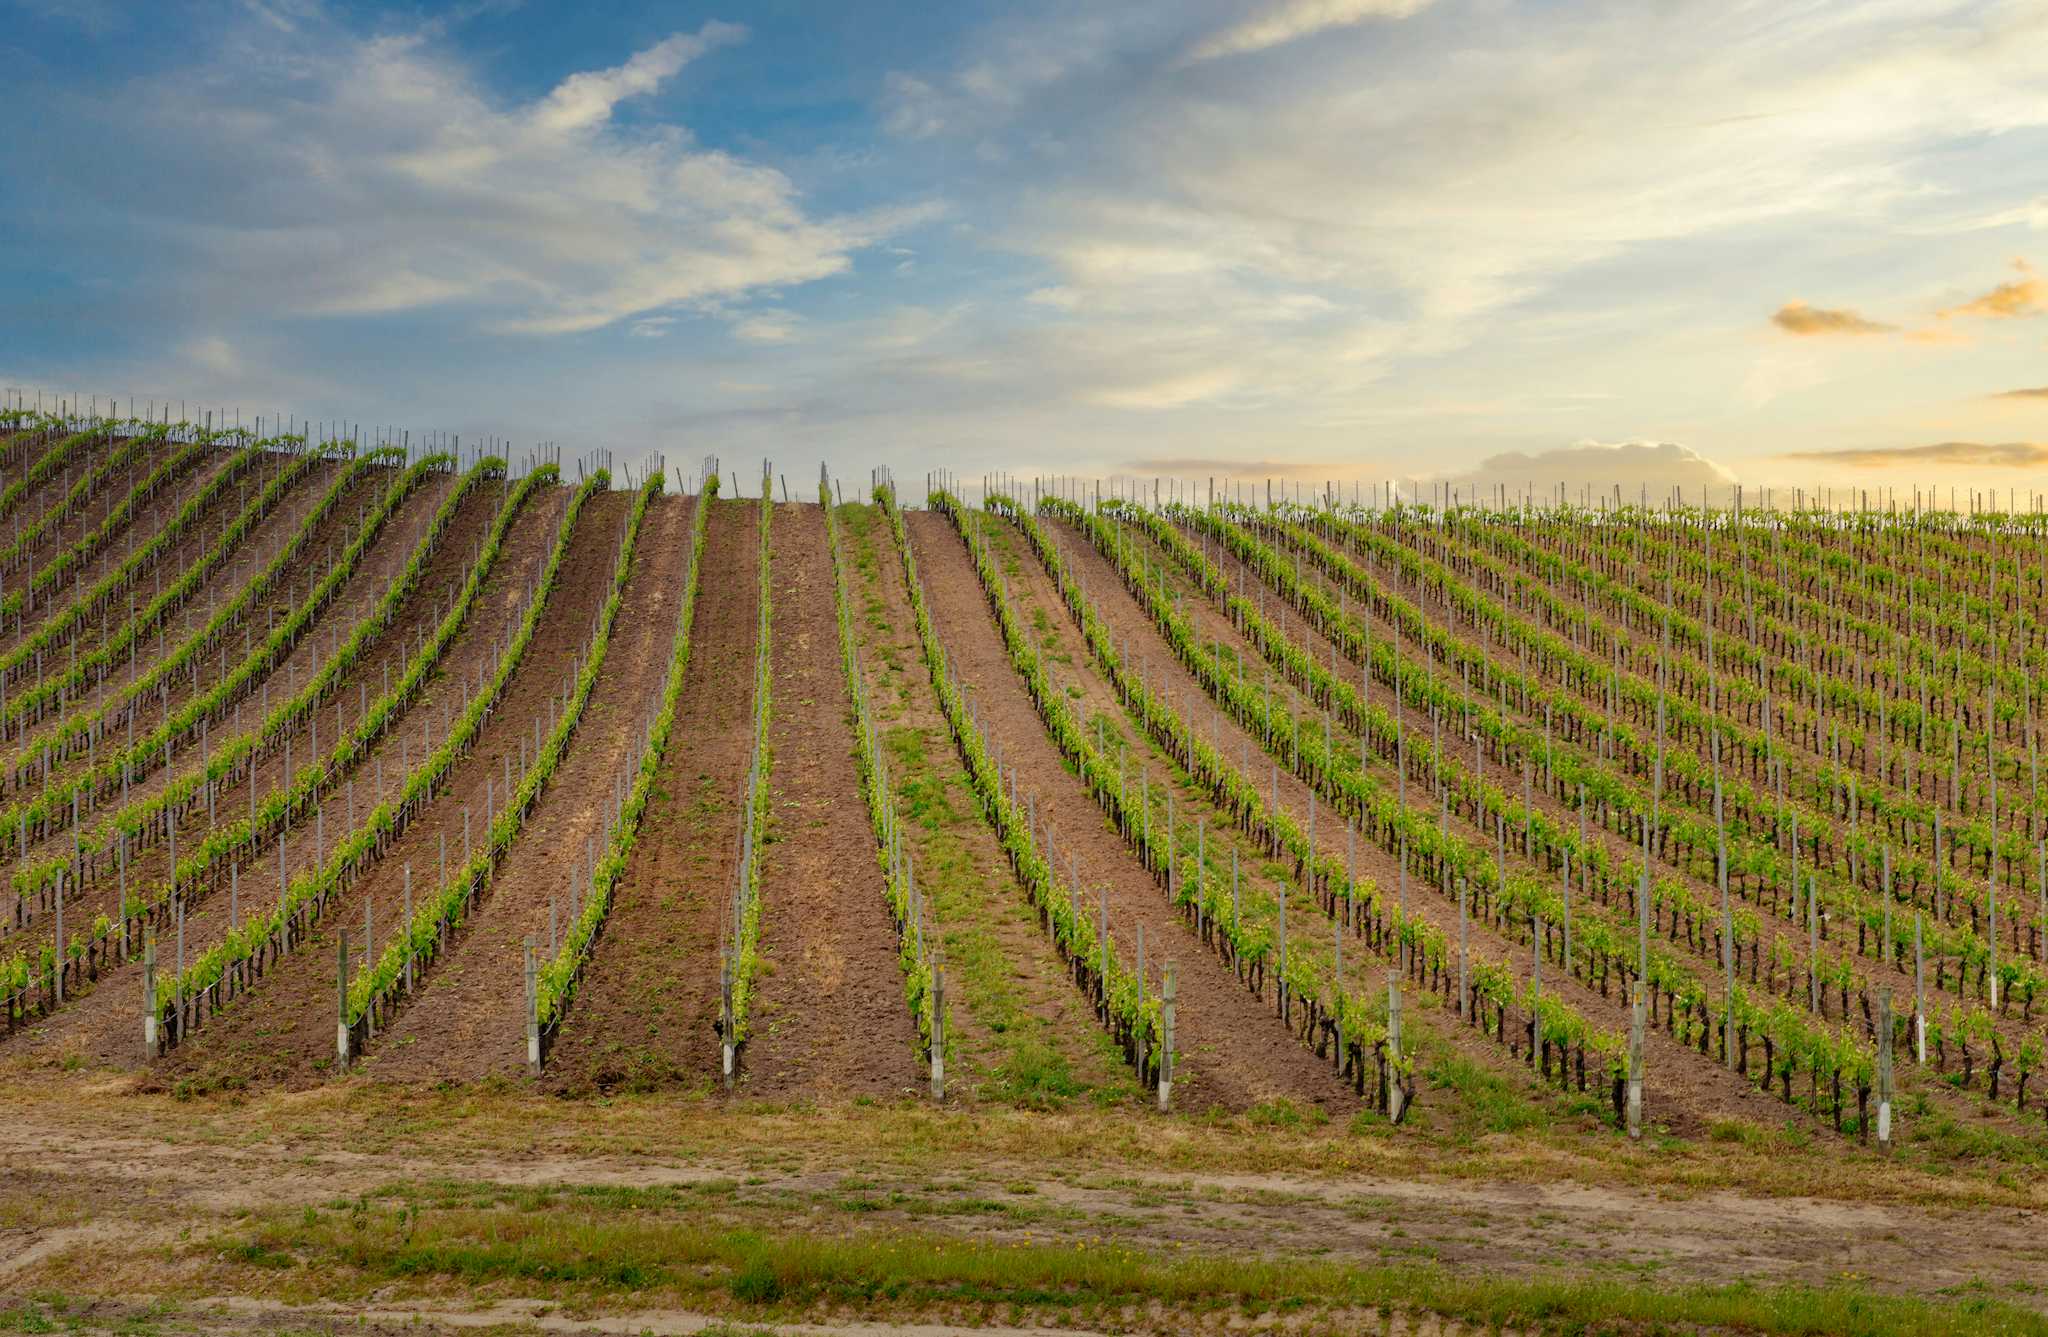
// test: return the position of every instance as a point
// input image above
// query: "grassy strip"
(743, 948)
(555, 985)
(1114, 988)
(584, 1250)
(83, 724)
(912, 950)
(375, 989)
(271, 936)
(89, 484)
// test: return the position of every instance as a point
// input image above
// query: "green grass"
(575, 1251)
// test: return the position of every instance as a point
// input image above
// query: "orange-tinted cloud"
(2009, 455)
(2024, 296)
(1799, 318)
(2037, 392)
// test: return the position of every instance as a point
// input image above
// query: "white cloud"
(582, 101)
(1287, 20)
(384, 177)
(653, 327)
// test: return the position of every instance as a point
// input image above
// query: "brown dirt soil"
(283, 1030)
(469, 1020)
(102, 1026)
(1688, 1089)
(359, 595)
(1235, 1052)
(831, 1015)
(646, 1009)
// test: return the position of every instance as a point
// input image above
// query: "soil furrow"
(832, 1017)
(646, 1010)
(469, 1020)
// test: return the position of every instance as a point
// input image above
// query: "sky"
(1452, 240)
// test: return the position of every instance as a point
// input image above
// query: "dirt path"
(1235, 1051)
(122, 1185)
(283, 1030)
(102, 1026)
(646, 1010)
(832, 1016)
(470, 1020)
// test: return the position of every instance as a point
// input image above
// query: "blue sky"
(1789, 242)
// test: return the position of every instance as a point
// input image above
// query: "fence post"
(341, 997)
(532, 1012)
(1884, 1070)
(1635, 1061)
(1394, 1099)
(725, 1004)
(938, 1045)
(149, 1009)
(1166, 1018)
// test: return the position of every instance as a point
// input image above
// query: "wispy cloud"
(582, 101)
(1195, 466)
(2008, 455)
(2032, 392)
(766, 327)
(2024, 296)
(1799, 318)
(1288, 20)
(414, 187)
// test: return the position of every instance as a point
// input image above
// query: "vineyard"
(342, 763)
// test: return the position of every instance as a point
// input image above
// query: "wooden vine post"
(149, 1008)
(938, 1045)
(1635, 1061)
(1396, 1100)
(532, 1011)
(341, 997)
(1166, 1008)
(1884, 1070)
